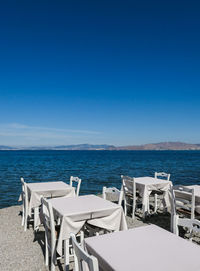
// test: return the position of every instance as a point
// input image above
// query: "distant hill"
(85, 147)
(163, 146)
(153, 146)
(61, 147)
(2, 147)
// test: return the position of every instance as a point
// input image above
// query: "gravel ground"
(23, 251)
(18, 249)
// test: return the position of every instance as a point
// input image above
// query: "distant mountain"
(163, 146)
(85, 147)
(61, 147)
(2, 147)
(153, 146)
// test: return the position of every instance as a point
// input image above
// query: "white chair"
(193, 225)
(164, 176)
(129, 193)
(113, 192)
(93, 230)
(81, 257)
(77, 181)
(25, 208)
(182, 203)
(50, 233)
(24, 204)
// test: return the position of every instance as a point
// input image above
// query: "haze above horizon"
(109, 72)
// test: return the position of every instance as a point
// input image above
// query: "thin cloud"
(16, 127)
(21, 134)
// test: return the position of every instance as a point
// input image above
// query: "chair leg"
(76, 268)
(81, 237)
(66, 254)
(22, 215)
(155, 203)
(36, 216)
(125, 207)
(133, 210)
(121, 196)
(148, 206)
(53, 258)
(175, 224)
(46, 251)
(25, 220)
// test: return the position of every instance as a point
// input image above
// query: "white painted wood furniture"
(145, 185)
(193, 225)
(47, 190)
(184, 200)
(81, 257)
(161, 175)
(182, 203)
(74, 212)
(24, 197)
(75, 181)
(196, 189)
(129, 193)
(135, 249)
(50, 234)
(113, 191)
(105, 192)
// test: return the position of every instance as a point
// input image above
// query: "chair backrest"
(22, 182)
(81, 257)
(112, 191)
(128, 184)
(49, 224)
(183, 199)
(77, 181)
(162, 175)
(24, 196)
(192, 224)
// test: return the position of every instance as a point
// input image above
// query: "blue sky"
(115, 72)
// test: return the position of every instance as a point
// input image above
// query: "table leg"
(66, 254)
(36, 216)
(145, 207)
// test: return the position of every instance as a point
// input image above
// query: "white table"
(48, 190)
(144, 248)
(197, 196)
(75, 211)
(145, 185)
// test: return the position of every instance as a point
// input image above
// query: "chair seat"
(94, 230)
(158, 192)
(184, 212)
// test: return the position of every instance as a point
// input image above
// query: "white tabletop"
(83, 205)
(149, 180)
(47, 186)
(47, 189)
(144, 248)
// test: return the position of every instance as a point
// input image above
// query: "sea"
(95, 168)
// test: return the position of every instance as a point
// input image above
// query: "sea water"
(95, 168)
